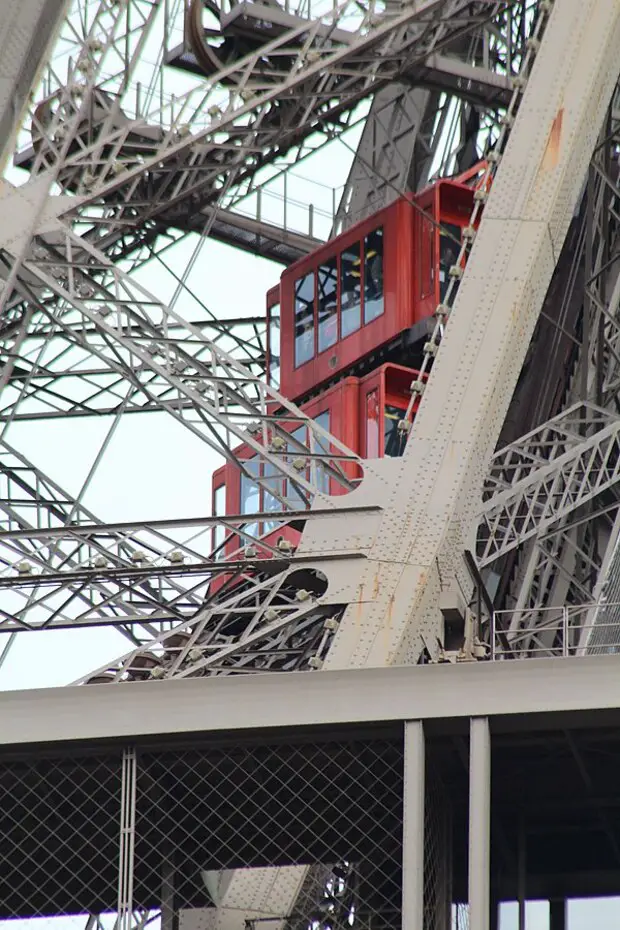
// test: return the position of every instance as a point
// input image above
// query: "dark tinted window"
(274, 345)
(327, 304)
(350, 290)
(373, 275)
(304, 319)
(394, 439)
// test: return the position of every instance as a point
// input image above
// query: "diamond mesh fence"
(280, 834)
(437, 853)
(59, 836)
(287, 834)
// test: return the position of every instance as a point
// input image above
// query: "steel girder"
(537, 481)
(534, 486)
(571, 563)
(70, 280)
(384, 584)
(59, 257)
(27, 32)
(538, 185)
(402, 133)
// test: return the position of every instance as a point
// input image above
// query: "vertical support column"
(168, 911)
(557, 915)
(127, 839)
(479, 823)
(522, 876)
(494, 918)
(413, 827)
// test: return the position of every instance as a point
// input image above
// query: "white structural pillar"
(413, 826)
(479, 824)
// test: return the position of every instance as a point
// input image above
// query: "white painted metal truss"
(71, 297)
(539, 480)
(160, 571)
(412, 519)
(60, 265)
(158, 577)
(125, 327)
(430, 518)
(61, 268)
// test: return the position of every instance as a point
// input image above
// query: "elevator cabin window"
(373, 275)
(304, 319)
(219, 510)
(314, 471)
(350, 290)
(359, 271)
(449, 248)
(394, 438)
(327, 304)
(372, 425)
(250, 493)
(273, 315)
(255, 498)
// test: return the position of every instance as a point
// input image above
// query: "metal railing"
(562, 632)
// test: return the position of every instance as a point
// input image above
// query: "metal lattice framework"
(82, 307)
(538, 481)
(97, 308)
(115, 177)
(570, 562)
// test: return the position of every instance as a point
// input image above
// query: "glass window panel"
(449, 246)
(274, 345)
(304, 319)
(274, 480)
(219, 510)
(373, 275)
(394, 439)
(321, 479)
(350, 290)
(327, 304)
(250, 494)
(372, 424)
(293, 497)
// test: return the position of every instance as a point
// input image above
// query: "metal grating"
(59, 829)
(437, 853)
(335, 806)
(312, 830)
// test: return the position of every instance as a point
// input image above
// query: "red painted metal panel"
(410, 279)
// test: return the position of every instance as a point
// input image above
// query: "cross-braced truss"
(570, 563)
(128, 172)
(85, 307)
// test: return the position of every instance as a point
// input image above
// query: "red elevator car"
(346, 327)
(362, 412)
(362, 290)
